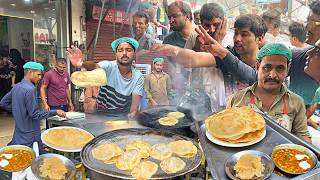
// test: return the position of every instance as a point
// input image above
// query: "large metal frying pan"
(121, 138)
(149, 117)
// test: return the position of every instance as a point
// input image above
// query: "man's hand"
(166, 49)
(132, 115)
(71, 107)
(209, 44)
(221, 31)
(153, 102)
(61, 113)
(75, 56)
(313, 124)
(46, 107)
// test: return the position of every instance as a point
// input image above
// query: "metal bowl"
(265, 160)
(35, 167)
(303, 149)
(18, 147)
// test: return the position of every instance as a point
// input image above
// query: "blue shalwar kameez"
(22, 102)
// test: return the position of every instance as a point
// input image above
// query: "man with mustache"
(237, 63)
(157, 84)
(180, 19)
(209, 79)
(300, 82)
(124, 87)
(269, 95)
(22, 101)
(55, 84)
(140, 24)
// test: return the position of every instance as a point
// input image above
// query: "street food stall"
(100, 132)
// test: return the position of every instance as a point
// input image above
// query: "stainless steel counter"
(98, 123)
(216, 155)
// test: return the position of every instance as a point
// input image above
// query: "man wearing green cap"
(22, 102)
(269, 95)
(124, 87)
(157, 84)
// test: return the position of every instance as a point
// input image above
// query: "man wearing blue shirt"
(22, 102)
(124, 88)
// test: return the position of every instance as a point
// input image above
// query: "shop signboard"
(119, 16)
(41, 36)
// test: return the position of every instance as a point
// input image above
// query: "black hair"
(142, 14)
(315, 7)
(254, 22)
(184, 8)
(129, 44)
(297, 30)
(61, 61)
(211, 10)
(195, 13)
(272, 16)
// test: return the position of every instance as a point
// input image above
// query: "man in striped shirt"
(124, 87)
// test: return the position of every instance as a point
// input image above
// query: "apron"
(284, 119)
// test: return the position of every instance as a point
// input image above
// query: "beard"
(125, 61)
(158, 70)
(211, 34)
(178, 27)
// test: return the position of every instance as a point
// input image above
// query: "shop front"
(37, 29)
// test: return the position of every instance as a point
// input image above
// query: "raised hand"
(75, 56)
(221, 31)
(209, 44)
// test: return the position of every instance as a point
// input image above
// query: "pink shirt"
(57, 86)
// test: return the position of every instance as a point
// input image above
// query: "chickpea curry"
(15, 159)
(292, 161)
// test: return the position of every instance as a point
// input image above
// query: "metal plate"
(17, 147)
(67, 162)
(299, 148)
(61, 127)
(122, 137)
(150, 117)
(265, 160)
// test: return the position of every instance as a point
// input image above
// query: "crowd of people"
(260, 70)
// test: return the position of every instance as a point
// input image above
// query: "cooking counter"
(98, 123)
(216, 155)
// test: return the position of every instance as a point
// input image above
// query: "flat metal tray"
(122, 137)
(216, 155)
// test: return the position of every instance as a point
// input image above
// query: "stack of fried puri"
(236, 125)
